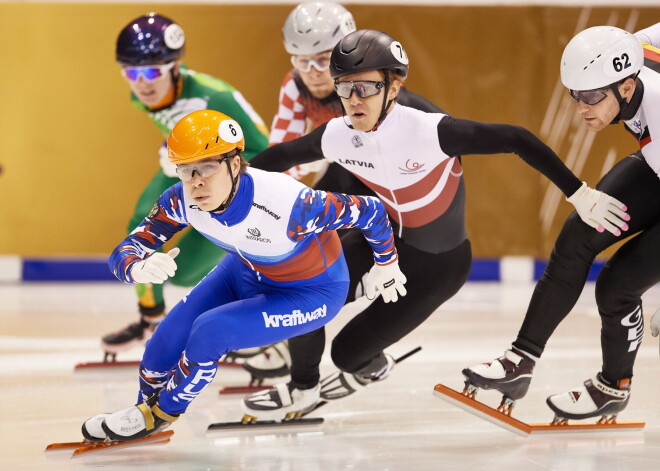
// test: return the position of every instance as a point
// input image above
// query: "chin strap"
(627, 109)
(175, 92)
(232, 193)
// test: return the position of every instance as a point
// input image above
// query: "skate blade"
(243, 389)
(106, 365)
(231, 364)
(264, 424)
(90, 365)
(160, 438)
(482, 411)
(66, 446)
(541, 429)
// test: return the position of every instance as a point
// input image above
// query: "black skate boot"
(134, 334)
(510, 374)
(595, 397)
(272, 362)
(138, 421)
(283, 402)
(341, 384)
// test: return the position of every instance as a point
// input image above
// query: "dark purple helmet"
(367, 49)
(150, 39)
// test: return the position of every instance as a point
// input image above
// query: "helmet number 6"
(621, 63)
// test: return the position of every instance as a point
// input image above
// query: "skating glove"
(600, 210)
(166, 165)
(655, 323)
(156, 268)
(386, 280)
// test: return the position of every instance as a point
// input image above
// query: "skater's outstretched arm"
(461, 137)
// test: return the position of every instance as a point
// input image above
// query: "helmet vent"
(207, 146)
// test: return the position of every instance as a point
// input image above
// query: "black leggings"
(432, 280)
(632, 270)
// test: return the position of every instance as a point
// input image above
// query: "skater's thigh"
(432, 280)
(632, 270)
(219, 287)
(264, 319)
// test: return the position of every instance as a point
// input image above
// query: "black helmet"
(150, 39)
(367, 49)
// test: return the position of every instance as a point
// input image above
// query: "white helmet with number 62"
(600, 56)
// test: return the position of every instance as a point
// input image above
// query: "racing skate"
(511, 375)
(286, 395)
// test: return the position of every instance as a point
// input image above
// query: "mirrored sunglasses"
(589, 97)
(304, 64)
(148, 72)
(364, 88)
(203, 169)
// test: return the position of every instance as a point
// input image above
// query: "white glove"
(168, 167)
(386, 280)
(600, 210)
(156, 268)
(655, 323)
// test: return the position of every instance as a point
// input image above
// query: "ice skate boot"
(341, 384)
(594, 398)
(282, 402)
(509, 374)
(273, 362)
(137, 422)
(92, 429)
(132, 335)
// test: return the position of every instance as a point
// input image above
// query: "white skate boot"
(594, 398)
(341, 384)
(92, 430)
(282, 402)
(273, 362)
(136, 422)
(510, 374)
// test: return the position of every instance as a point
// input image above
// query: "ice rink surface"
(395, 425)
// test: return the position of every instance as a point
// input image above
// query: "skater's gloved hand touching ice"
(156, 268)
(600, 210)
(388, 280)
(655, 323)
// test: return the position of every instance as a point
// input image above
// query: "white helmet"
(600, 56)
(316, 27)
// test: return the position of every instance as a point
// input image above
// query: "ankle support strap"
(149, 412)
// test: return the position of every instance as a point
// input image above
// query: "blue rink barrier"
(15, 269)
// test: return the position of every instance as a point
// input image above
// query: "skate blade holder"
(249, 422)
(85, 448)
(522, 429)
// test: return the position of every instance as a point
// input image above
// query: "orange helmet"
(203, 134)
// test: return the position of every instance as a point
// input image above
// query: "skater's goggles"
(363, 88)
(589, 97)
(320, 62)
(204, 169)
(148, 72)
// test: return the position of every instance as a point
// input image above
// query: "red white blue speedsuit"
(284, 275)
